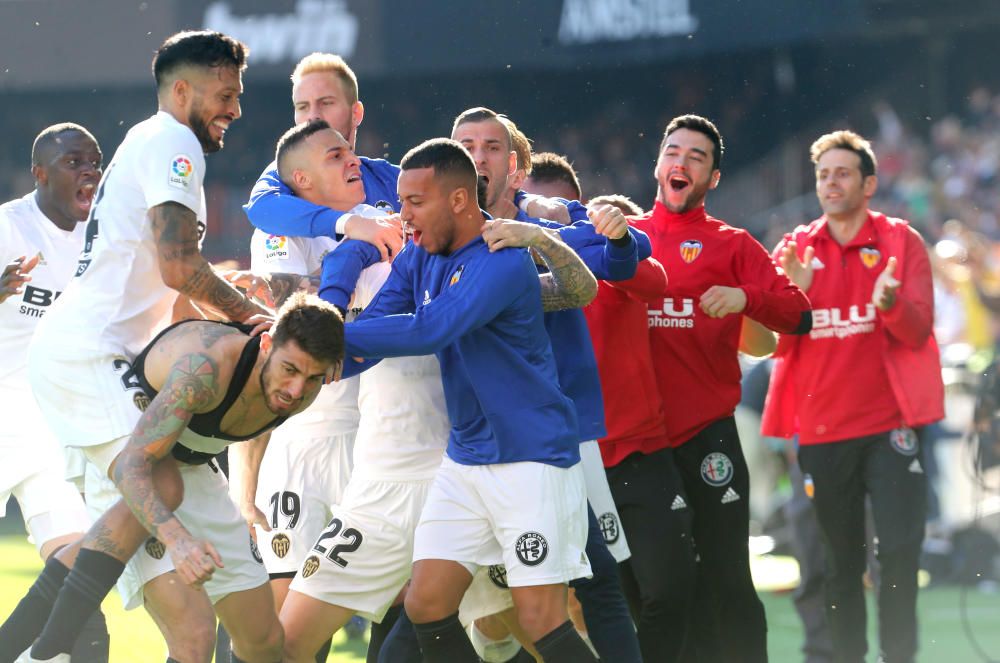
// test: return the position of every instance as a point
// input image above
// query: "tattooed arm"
(175, 230)
(284, 284)
(191, 386)
(569, 283)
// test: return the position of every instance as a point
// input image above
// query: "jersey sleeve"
(172, 169)
(649, 282)
(772, 299)
(341, 269)
(911, 319)
(487, 286)
(274, 209)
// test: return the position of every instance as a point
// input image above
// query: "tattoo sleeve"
(284, 284)
(175, 230)
(191, 386)
(569, 283)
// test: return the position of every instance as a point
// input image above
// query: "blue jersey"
(481, 314)
(568, 331)
(277, 211)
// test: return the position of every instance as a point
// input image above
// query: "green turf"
(134, 639)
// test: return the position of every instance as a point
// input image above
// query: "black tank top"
(209, 424)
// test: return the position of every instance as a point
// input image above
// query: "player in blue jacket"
(510, 489)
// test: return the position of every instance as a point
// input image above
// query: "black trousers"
(686, 610)
(888, 468)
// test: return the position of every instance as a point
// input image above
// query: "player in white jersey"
(141, 253)
(362, 559)
(40, 241)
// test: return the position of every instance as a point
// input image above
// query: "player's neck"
(468, 229)
(52, 213)
(844, 228)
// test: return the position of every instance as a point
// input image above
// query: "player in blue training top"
(611, 249)
(325, 88)
(510, 489)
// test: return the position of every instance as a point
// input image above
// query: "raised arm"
(183, 268)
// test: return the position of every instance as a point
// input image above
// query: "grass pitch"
(134, 638)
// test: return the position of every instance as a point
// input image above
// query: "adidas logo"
(678, 504)
(915, 467)
(730, 496)
(427, 297)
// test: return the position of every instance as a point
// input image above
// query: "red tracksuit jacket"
(633, 409)
(859, 371)
(695, 356)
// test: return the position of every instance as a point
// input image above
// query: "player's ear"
(40, 174)
(301, 179)
(266, 343)
(180, 91)
(458, 199)
(357, 114)
(511, 163)
(516, 181)
(714, 181)
(869, 186)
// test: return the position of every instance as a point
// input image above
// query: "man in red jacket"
(857, 391)
(717, 275)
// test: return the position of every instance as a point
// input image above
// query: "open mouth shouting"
(678, 182)
(85, 196)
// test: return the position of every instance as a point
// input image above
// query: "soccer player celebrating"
(41, 237)
(717, 275)
(513, 444)
(858, 390)
(141, 252)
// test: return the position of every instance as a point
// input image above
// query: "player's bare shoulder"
(216, 347)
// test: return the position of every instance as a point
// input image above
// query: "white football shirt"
(118, 300)
(26, 444)
(404, 424)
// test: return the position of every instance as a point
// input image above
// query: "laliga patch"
(456, 276)
(181, 172)
(609, 527)
(498, 575)
(717, 469)
(904, 441)
(690, 249)
(870, 256)
(276, 247)
(531, 548)
(808, 485)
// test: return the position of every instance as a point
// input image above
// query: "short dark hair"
(552, 167)
(850, 141)
(703, 126)
(316, 326)
(624, 203)
(447, 157)
(481, 114)
(47, 137)
(201, 48)
(292, 139)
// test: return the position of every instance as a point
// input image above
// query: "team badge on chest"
(456, 276)
(717, 469)
(690, 249)
(870, 256)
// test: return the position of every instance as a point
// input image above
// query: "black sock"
(324, 651)
(564, 645)
(380, 632)
(445, 641)
(92, 577)
(93, 643)
(30, 615)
